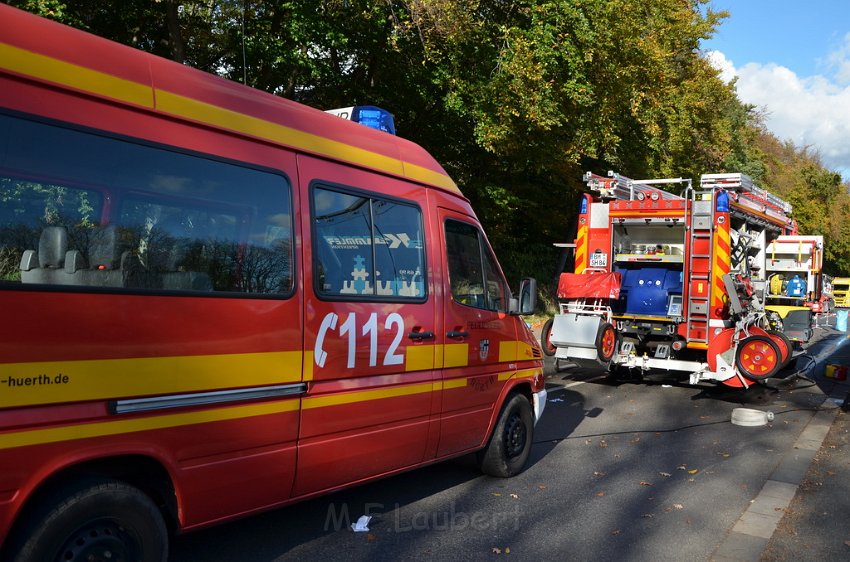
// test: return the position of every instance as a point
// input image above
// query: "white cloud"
(810, 111)
(839, 61)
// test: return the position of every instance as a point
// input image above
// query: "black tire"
(98, 520)
(510, 444)
(789, 345)
(757, 358)
(545, 344)
(606, 342)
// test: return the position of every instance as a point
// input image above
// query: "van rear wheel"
(510, 444)
(102, 520)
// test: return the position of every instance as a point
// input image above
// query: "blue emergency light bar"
(368, 115)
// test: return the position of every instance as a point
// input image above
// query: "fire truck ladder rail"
(619, 187)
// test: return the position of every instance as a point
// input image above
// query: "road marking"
(577, 383)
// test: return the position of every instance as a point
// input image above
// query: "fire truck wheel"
(784, 344)
(507, 451)
(94, 520)
(545, 338)
(606, 342)
(757, 357)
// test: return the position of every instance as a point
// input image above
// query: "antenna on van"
(244, 63)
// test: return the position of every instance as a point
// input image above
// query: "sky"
(792, 60)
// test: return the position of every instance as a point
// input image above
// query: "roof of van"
(47, 51)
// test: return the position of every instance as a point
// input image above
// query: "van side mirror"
(526, 301)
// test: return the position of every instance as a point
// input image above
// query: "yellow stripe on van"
(49, 69)
(455, 383)
(46, 68)
(364, 396)
(425, 175)
(507, 351)
(455, 355)
(50, 382)
(419, 357)
(260, 128)
(514, 351)
(309, 361)
(102, 429)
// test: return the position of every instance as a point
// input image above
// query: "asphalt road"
(626, 471)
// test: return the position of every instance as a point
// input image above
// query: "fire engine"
(673, 282)
(796, 288)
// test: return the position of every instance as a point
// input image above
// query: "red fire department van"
(216, 301)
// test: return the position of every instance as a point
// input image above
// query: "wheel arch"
(141, 471)
(522, 387)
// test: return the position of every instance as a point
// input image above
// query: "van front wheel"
(105, 520)
(510, 444)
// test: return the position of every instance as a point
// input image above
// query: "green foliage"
(515, 98)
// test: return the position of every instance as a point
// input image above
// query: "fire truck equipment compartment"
(646, 290)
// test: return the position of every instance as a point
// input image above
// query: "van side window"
(474, 278)
(367, 246)
(87, 210)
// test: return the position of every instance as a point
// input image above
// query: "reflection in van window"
(93, 211)
(474, 279)
(367, 246)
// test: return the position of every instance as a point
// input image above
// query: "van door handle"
(457, 335)
(421, 335)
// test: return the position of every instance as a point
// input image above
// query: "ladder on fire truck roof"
(748, 195)
(618, 186)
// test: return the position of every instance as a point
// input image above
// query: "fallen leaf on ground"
(507, 550)
(514, 496)
(541, 486)
(725, 455)
(647, 516)
(497, 494)
(603, 443)
(645, 483)
(665, 474)
(682, 467)
(599, 473)
(370, 537)
(497, 550)
(600, 494)
(694, 471)
(616, 532)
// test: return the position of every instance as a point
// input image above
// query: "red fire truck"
(673, 282)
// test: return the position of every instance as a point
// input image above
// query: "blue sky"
(792, 59)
